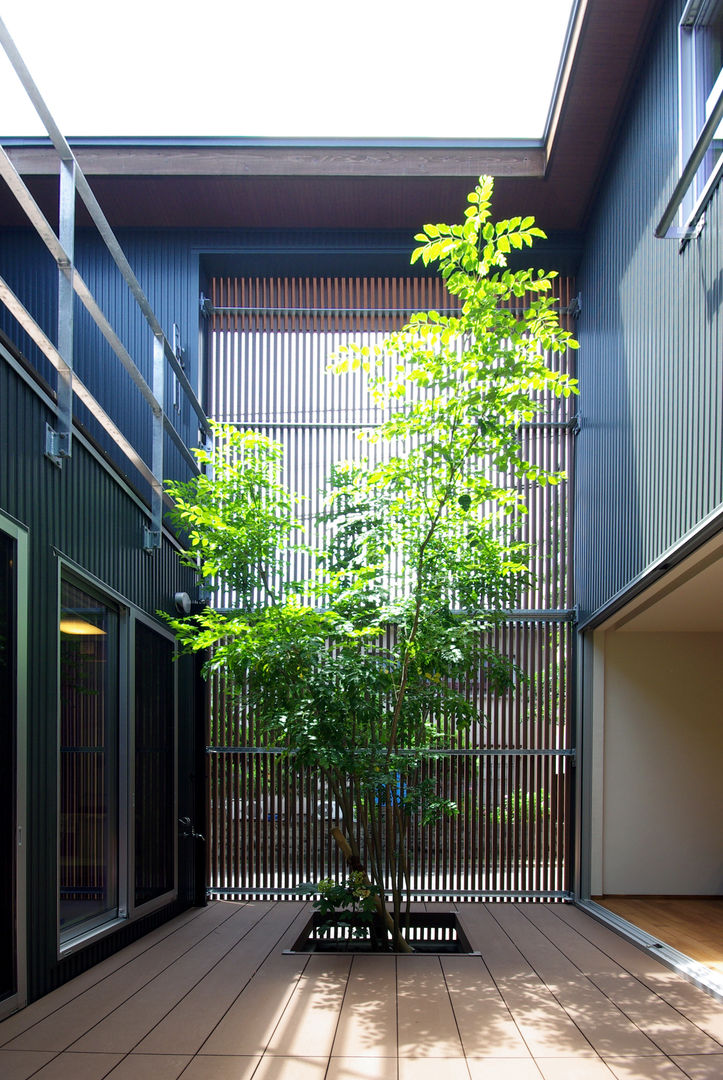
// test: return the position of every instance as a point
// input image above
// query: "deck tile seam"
(639, 978)
(503, 999)
(299, 916)
(283, 1011)
(111, 974)
(451, 1006)
(108, 974)
(549, 989)
(590, 979)
(339, 1014)
(454, 1015)
(162, 972)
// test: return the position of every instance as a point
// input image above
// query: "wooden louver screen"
(510, 775)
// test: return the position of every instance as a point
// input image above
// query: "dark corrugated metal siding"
(84, 513)
(649, 453)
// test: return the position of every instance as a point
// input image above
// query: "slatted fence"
(510, 774)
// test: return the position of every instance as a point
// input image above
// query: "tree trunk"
(399, 941)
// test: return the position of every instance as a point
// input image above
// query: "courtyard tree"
(361, 669)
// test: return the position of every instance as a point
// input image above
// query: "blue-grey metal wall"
(649, 466)
(169, 277)
(83, 513)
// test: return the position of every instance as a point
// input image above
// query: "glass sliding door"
(8, 769)
(154, 789)
(89, 761)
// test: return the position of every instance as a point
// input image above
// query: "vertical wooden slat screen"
(510, 774)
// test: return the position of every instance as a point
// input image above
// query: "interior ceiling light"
(79, 627)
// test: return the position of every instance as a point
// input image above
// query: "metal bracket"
(688, 234)
(56, 445)
(151, 540)
(206, 306)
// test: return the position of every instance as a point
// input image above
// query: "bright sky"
(385, 68)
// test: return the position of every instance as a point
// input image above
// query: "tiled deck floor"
(211, 997)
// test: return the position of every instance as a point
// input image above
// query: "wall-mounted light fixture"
(71, 624)
(183, 603)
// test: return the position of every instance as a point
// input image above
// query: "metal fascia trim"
(693, 539)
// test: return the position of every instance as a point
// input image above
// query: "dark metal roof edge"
(561, 84)
(705, 530)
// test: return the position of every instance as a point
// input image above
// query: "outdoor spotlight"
(183, 603)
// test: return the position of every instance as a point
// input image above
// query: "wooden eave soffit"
(519, 161)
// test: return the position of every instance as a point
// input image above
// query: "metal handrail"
(663, 229)
(65, 153)
(62, 251)
(65, 265)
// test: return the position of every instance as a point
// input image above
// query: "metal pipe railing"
(663, 229)
(72, 180)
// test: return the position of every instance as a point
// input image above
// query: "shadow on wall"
(648, 330)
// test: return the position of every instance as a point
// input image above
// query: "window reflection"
(88, 761)
(155, 819)
(8, 868)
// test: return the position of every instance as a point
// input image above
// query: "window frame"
(692, 100)
(128, 615)
(19, 534)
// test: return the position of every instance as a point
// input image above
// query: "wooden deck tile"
(425, 1020)
(368, 1021)
(671, 1032)
(78, 1067)
(544, 1025)
(554, 996)
(122, 1029)
(308, 1025)
(578, 947)
(293, 1068)
(701, 1066)
(699, 1007)
(221, 1067)
(431, 1069)
(184, 1029)
(19, 1064)
(250, 1022)
(573, 1069)
(65, 1025)
(362, 1068)
(623, 952)
(503, 1069)
(38, 1010)
(607, 1029)
(646, 1069)
(485, 1024)
(150, 1067)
